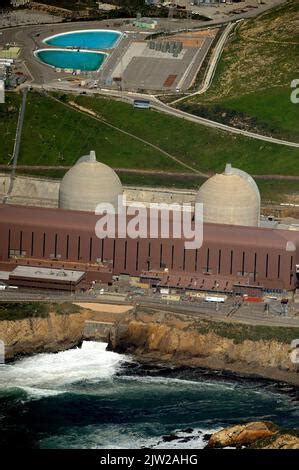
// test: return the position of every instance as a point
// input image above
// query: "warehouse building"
(236, 255)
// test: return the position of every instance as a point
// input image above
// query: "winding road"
(158, 105)
(212, 65)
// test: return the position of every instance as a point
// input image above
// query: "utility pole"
(16, 149)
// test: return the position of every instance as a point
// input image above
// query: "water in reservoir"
(87, 39)
(71, 59)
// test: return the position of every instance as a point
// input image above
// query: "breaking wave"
(50, 374)
(92, 398)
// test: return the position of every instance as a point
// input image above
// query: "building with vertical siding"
(233, 257)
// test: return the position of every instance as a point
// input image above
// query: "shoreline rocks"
(242, 434)
(256, 434)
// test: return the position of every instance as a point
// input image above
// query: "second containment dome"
(230, 198)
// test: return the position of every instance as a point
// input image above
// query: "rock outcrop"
(188, 341)
(55, 333)
(281, 441)
(257, 434)
(57, 327)
(242, 434)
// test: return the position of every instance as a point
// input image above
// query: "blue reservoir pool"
(66, 59)
(89, 39)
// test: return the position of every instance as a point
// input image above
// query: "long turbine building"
(58, 248)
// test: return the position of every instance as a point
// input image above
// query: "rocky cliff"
(54, 333)
(188, 341)
(33, 327)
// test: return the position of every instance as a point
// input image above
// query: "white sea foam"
(112, 437)
(160, 380)
(48, 374)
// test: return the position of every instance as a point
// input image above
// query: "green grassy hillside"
(55, 135)
(201, 147)
(252, 82)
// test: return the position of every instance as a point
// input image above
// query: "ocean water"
(92, 398)
(71, 59)
(89, 39)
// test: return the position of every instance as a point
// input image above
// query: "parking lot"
(143, 68)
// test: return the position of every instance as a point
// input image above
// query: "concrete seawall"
(97, 331)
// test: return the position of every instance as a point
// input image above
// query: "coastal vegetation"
(239, 332)
(89, 9)
(13, 311)
(66, 308)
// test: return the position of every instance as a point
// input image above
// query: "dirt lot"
(105, 312)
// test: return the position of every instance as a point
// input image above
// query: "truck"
(142, 104)
(140, 285)
(164, 291)
(171, 297)
(209, 298)
(194, 295)
(251, 298)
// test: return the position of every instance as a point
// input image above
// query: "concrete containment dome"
(230, 198)
(87, 184)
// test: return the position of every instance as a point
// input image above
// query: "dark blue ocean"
(92, 398)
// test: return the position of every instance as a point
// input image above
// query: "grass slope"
(255, 72)
(61, 136)
(201, 147)
(56, 135)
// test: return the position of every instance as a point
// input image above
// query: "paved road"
(248, 314)
(212, 66)
(190, 75)
(159, 106)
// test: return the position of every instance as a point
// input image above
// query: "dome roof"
(230, 198)
(87, 184)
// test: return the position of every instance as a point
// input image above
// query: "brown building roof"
(38, 217)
